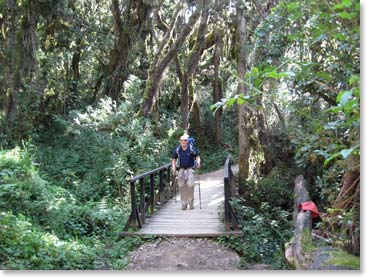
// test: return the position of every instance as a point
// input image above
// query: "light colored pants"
(186, 183)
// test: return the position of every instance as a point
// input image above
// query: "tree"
(243, 110)
(165, 54)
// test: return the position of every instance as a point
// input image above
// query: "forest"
(93, 92)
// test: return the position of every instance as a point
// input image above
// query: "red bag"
(309, 206)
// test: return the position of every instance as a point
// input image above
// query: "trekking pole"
(174, 184)
(199, 187)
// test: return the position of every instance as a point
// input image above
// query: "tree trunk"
(158, 66)
(25, 64)
(185, 101)
(195, 124)
(281, 117)
(244, 146)
(264, 141)
(217, 88)
(75, 66)
(191, 64)
(136, 13)
(118, 60)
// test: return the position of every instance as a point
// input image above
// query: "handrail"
(137, 177)
(148, 202)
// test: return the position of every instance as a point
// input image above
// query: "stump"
(295, 252)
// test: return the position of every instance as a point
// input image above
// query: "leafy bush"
(66, 193)
(99, 149)
(273, 189)
(23, 191)
(264, 233)
(25, 246)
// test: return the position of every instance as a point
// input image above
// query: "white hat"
(184, 137)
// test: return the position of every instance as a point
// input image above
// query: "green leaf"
(343, 97)
(354, 80)
(340, 37)
(358, 6)
(332, 157)
(347, 3)
(324, 75)
(292, 6)
(339, 6)
(346, 15)
(335, 109)
(272, 74)
(230, 102)
(346, 152)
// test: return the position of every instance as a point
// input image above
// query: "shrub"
(264, 233)
(25, 246)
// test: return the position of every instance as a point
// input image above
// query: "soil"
(183, 254)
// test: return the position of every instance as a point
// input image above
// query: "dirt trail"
(185, 253)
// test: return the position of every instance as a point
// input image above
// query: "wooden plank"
(196, 235)
(187, 221)
(173, 231)
(187, 226)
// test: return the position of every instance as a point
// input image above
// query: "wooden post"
(169, 184)
(134, 218)
(161, 190)
(226, 204)
(142, 200)
(151, 193)
(227, 192)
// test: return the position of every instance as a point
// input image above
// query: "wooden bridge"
(156, 208)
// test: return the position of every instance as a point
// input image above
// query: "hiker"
(185, 158)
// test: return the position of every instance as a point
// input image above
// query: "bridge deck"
(207, 221)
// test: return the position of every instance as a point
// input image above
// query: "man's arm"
(174, 166)
(198, 161)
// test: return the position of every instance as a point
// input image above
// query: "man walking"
(184, 158)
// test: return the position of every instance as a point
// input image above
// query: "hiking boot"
(191, 207)
(183, 207)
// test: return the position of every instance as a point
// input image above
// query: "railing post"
(226, 204)
(134, 218)
(151, 193)
(161, 190)
(142, 200)
(169, 188)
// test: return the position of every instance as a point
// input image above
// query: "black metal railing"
(230, 219)
(151, 196)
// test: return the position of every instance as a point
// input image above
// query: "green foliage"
(25, 246)
(23, 191)
(99, 150)
(264, 232)
(273, 188)
(341, 258)
(343, 227)
(72, 188)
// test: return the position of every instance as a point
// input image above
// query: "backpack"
(191, 142)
